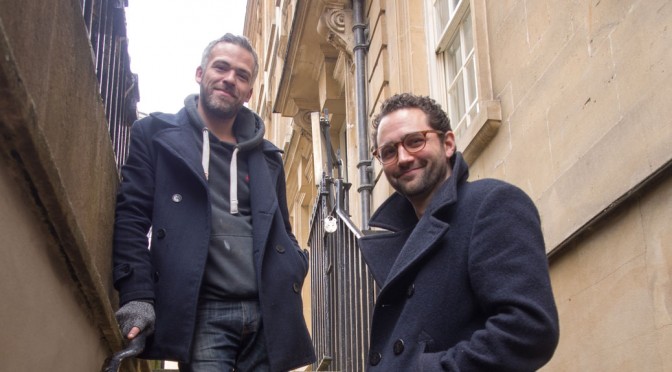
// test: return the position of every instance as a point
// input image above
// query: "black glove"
(136, 314)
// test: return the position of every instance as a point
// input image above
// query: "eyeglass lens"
(412, 142)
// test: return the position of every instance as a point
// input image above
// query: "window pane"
(471, 93)
(445, 9)
(457, 59)
(461, 107)
(468, 33)
(452, 4)
(457, 100)
(453, 59)
(442, 15)
(453, 109)
(470, 77)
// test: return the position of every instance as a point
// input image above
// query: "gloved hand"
(138, 314)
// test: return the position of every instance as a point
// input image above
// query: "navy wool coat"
(465, 288)
(164, 188)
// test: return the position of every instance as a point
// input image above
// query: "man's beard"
(433, 176)
(218, 108)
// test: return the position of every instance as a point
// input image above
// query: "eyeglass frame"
(376, 151)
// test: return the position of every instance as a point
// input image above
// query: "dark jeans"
(228, 337)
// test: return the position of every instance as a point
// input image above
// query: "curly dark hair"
(438, 119)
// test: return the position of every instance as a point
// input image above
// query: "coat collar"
(180, 139)
(397, 213)
(416, 237)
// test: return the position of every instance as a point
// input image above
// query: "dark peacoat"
(465, 288)
(164, 188)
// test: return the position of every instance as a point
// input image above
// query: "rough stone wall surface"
(46, 325)
(58, 184)
(613, 289)
(582, 86)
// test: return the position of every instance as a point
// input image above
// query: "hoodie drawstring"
(205, 161)
(205, 158)
(233, 191)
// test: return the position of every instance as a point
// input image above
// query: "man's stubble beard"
(217, 107)
(425, 184)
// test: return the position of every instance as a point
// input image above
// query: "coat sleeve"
(508, 270)
(132, 265)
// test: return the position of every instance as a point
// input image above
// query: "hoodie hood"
(248, 128)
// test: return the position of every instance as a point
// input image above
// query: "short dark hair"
(438, 119)
(239, 40)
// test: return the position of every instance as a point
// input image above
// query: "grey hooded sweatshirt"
(230, 269)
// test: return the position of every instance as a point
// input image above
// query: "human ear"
(199, 74)
(249, 95)
(449, 143)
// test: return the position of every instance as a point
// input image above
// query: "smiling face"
(416, 175)
(226, 81)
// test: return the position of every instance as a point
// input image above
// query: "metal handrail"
(342, 289)
(134, 348)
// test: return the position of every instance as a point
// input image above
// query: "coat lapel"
(263, 199)
(396, 214)
(380, 250)
(420, 242)
(177, 141)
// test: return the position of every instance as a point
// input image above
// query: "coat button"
(156, 277)
(280, 248)
(375, 358)
(398, 347)
(177, 198)
(296, 287)
(160, 233)
(411, 290)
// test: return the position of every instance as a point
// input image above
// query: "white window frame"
(480, 118)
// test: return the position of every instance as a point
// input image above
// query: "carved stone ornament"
(335, 25)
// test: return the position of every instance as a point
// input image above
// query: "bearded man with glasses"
(462, 268)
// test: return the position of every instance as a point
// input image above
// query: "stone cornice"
(335, 25)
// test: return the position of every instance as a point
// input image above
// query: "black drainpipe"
(364, 164)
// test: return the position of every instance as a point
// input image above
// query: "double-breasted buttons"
(176, 198)
(374, 358)
(398, 347)
(160, 233)
(296, 287)
(410, 290)
(280, 248)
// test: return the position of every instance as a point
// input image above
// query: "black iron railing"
(342, 289)
(105, 22)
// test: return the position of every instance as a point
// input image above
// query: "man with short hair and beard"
(462, 268)
(219, 289)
